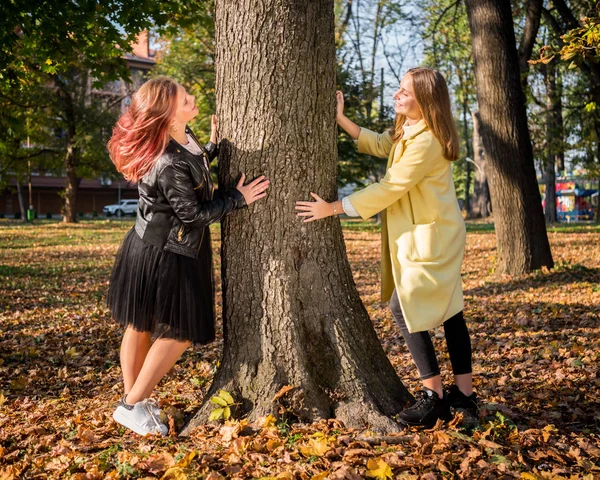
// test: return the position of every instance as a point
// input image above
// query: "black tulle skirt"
(164, 293)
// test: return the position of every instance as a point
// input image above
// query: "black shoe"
(426, 411)
(461, 403)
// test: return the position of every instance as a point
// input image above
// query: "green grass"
(15, 234)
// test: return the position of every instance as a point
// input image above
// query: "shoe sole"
(423, 425)
(126, 422)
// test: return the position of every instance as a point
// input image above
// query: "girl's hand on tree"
(214, 129)
(339, 97)
(255, 190)
(314, 210)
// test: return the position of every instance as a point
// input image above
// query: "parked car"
(126, 207)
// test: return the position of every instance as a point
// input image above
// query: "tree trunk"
(522, 240)
(554, 141)
(465, 110)
(480, 202)
(292, 315)
(70, 194)
(21, 202)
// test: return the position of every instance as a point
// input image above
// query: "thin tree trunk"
(553, 139)
(21, 202)
(480, 202)
(522, 240)
(72, 183)
(71, 156)
(465, 110)
(532, 24)
(292, 315)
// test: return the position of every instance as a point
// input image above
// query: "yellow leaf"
(377, 468)
(316, 447)
(226, 396)
(71, 352)
(216, 414)
(285, 476)
(547, 432)
(2, 399)
(218, 401)
(185, 461)
(174, 473)
(269, 421)
(528, 476)
(320, 476)
(226, 413)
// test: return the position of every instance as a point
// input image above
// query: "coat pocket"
(425, 242)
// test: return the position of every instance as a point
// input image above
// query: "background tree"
(520, 229)
(576, 43)
(187, 54)
(445, 31)
(291, 313)
(64, 50)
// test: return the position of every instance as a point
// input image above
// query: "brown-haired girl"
(161, 283)
(423, 235)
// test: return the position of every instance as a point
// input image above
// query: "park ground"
(535, 339)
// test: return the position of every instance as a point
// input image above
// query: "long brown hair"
(431, 93)
(142, 132)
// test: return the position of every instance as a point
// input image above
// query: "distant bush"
(17, 216)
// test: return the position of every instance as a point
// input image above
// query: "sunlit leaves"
(377, 468)
(225, 402)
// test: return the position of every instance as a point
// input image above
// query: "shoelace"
(422, 398)
(152, 409)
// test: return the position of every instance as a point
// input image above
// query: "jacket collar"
(415, 129)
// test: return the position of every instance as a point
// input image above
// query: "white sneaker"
(143, 418)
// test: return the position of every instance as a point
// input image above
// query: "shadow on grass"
(561, 276)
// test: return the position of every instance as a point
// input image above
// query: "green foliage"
(187, 55)
(579, 45)
(447, 39)
(52, 57)
(224, 402)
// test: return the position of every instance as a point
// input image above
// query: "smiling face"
(406, 103)
(186, 108)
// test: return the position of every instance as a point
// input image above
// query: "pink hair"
(142, 132)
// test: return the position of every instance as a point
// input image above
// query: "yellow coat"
(423, 233)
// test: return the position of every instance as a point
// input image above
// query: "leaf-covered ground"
(535, 341)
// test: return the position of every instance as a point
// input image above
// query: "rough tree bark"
(292, 315)
(522, 241)
(480, 202)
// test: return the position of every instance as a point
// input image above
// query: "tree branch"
(532, 25)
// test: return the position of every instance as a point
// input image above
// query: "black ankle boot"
(461, 402)
(426, 410)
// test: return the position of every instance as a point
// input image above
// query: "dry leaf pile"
(535, 342)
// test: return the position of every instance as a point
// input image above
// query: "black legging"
(420, 345)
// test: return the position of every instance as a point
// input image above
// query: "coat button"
(178, 151)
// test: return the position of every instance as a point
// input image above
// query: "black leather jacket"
(176, 202)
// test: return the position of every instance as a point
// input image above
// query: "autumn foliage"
(535, 341)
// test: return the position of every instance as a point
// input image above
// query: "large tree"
(520, 228)
(292, 315)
